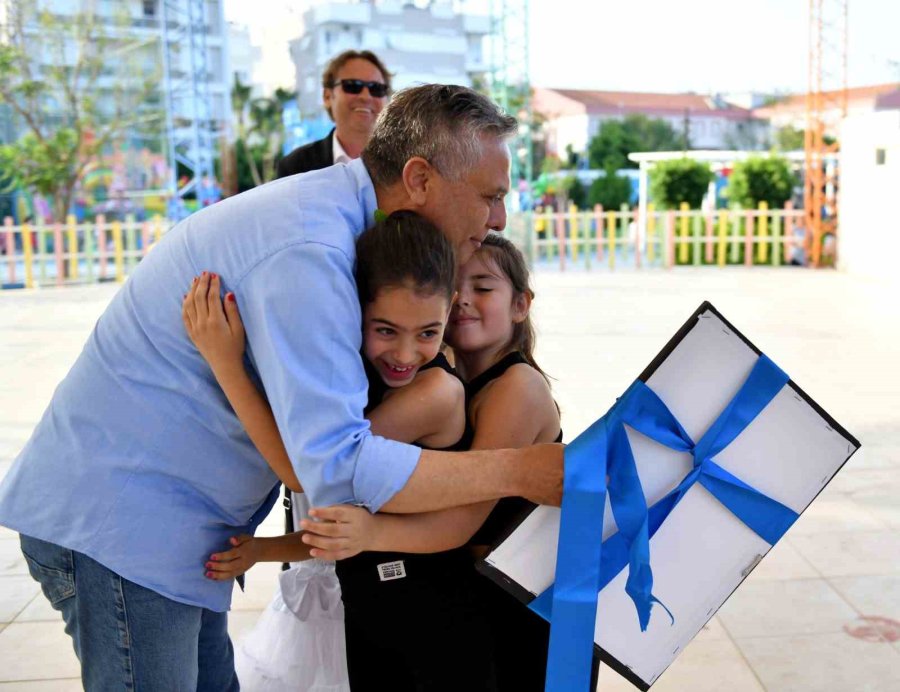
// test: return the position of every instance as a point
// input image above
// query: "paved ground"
(795, 624)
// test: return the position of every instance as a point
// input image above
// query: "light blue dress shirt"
(140, 462)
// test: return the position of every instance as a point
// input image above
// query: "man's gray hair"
(443, 124)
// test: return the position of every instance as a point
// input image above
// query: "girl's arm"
(218, 334)
(517, 410)
(429, 411)
(246, 551)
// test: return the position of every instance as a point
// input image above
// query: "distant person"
(355, 87)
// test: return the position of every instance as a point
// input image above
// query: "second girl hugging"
(417, 616)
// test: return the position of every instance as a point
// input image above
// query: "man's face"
(355, 112)
(468, 209)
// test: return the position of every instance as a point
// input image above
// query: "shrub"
(761, 180)
(679, 180)
(612, 191)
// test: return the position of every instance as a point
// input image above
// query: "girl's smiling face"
(402, 331)
(486, 308)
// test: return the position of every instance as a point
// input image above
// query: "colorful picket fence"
(72, 253)
(621, 238)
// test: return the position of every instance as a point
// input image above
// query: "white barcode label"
(391, 570)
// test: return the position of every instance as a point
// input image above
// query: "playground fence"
(72, 253)
(600, 238)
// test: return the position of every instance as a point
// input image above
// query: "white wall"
(869, 233)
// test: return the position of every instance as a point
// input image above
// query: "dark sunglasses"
(377, 90)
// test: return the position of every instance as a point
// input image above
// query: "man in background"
(355, 87)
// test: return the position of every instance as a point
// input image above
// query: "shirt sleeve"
(303, 323)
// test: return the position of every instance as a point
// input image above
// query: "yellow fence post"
(651, 232)
(27, 251)
(118, 251)
(723, 237)
(683, 232)
(762, 229)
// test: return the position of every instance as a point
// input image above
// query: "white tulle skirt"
(298, 642)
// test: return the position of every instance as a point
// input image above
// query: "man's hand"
(233, 563)
(344, 531)
(542, 474)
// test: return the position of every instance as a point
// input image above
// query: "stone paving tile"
(851, 553)
(797, 606)
(12, 562)
(39, 610)
(15, 593)
(60, 685)
(875, 596)
(36, 651)
(820, 663)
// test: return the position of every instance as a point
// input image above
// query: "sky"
(706, 46)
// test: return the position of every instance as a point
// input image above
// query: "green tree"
(610, 147)
(611, 191)
(759, 179)
(679, 180)
(260, 131)
(789, 138)
(50, 68)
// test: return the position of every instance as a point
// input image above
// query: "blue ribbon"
(585, 565)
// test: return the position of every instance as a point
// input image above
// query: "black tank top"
(508, 509)
(373, 573)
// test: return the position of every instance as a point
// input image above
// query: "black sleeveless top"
(507, 509)
(364, 574)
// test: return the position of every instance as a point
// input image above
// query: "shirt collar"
(366, 190)
(340, 156)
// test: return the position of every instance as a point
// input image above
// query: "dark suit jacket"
(309, 157)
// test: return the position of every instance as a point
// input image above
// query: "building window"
(149, 8)
(880, 157)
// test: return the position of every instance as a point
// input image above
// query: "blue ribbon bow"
(585, 565)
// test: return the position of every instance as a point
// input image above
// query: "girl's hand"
(344, 531)
(233, 563)
(216, 331)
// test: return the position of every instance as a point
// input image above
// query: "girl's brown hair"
(510, 261)
(405, 250)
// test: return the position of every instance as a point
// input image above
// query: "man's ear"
(417, 178)
(327, 98)
(521, 306)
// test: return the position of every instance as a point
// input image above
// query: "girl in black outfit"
(509, 404)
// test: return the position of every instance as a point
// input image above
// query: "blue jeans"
(128, 637)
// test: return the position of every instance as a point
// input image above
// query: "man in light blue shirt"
(139, 468)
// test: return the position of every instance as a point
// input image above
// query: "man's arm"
(302, 319)
(449, 479)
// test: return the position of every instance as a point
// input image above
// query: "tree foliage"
(789, 138)
(679, 180)
(611, 191)
(610, 147)
(76, 89)
(760, 179)
(260, 131)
